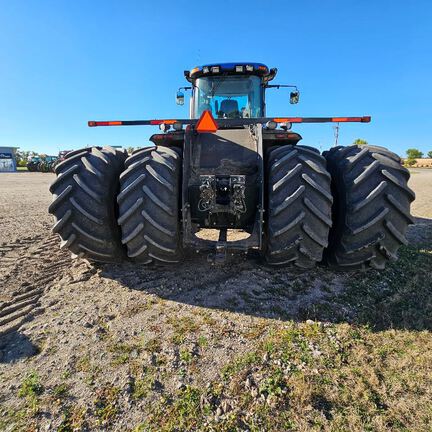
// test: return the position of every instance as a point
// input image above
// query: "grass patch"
(31, 386)
(83, 364)
(61, 391)
(105, 404)
(73, 419)
(317, 378)
(123, 352)
(14, 419)
(185, 355)
(153, 345)
(398, 297)
(182, 328)
(202, 342)
(141, 387)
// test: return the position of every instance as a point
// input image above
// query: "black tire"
(299, 206)
(371, 209)
(148, 202)
(84, 203)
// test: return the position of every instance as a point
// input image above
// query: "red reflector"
(206, 123)
(286, 136)
(288, 120)
(365, 119)
(158, 122)
(104, 123)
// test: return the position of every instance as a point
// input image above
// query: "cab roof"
(241, 68)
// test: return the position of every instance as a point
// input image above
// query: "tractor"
(230, 168)
(32, 163)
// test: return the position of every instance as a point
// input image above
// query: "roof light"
(249, 68)
(164, 127)
(271, 125)
(206, 69)
(215, 69)
(194, 70)
(206, 123)
(239, 68)
(263, 68)
(285, 125)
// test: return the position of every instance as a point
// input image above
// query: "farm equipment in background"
(33, 162)
(229, 167)
(44, 163)
(47, 163)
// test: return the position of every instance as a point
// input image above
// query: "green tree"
(430, 154)
(22, 156)
(410, 162)
(413, 153)
(360, 141)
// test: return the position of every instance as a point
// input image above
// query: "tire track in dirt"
(28, 267)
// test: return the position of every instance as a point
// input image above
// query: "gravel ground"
(92, 329)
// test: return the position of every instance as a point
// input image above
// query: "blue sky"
(65, 62)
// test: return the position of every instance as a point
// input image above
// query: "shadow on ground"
(398, 297)
(15, 346)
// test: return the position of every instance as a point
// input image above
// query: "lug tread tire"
(299, 206)
(84, 203)
(148, 202)
(372, 206)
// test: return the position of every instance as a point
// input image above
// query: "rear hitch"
(219, 256)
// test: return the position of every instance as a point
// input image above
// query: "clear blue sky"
(65, 62)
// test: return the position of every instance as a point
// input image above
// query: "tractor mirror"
(180, 98)
(294, 97)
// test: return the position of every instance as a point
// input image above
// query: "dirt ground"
(89, 333)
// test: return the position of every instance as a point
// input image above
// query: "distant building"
(8, 159)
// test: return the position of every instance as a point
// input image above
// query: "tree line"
(412, 154)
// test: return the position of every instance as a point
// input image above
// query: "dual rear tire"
(83, 204)
(371, 211)
(298, 205)
(149, 202)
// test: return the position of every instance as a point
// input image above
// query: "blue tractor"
(230, 167)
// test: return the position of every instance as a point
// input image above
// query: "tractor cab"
(228, 90)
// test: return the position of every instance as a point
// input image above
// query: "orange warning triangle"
(206, 123)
